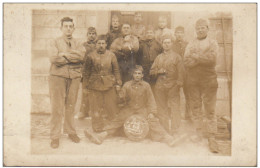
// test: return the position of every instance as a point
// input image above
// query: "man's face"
(138, 18)
(149, 34)
(101, 46)
(67, 28)
(167, 44)
(179, 35)
(162, 22)
(92, 36)
(126, 29)
(202, 31)
(138, 75)
(115, 23)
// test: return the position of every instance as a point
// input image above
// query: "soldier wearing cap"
(139, 101)
(126, 48)
(90, 45)
(102, 76)
(115, 31)
(168, 70)
(66, 56)
(148, 51)
(138, 29)
(162, 29)
(200, 61)
(179, 46)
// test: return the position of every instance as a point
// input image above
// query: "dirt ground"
(40, 142)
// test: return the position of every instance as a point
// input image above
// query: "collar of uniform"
(115, 31)
(100, 52)
(135, 83)
(91, 42)
(167, 53)
(66, 39)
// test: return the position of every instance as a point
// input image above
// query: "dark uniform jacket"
(148, 51)
(179, 47)
(112, 35)
(60, 66)
(102, 71)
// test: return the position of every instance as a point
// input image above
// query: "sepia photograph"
(121, 85)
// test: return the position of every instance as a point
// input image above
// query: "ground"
(40, 142)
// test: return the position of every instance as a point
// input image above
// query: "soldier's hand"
(150, 116)
(161, 71)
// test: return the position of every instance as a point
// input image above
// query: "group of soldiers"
(132, 70)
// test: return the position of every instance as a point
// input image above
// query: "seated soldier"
(139, 100)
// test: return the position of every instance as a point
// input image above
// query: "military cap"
(202, 22)
(102, 37)
(179, 28)
(138, 68)
(92, 29)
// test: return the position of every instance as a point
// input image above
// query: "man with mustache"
(115, 31)
(102, 76)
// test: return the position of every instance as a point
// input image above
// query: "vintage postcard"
(129, 84)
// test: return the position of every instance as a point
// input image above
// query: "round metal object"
(136, 127)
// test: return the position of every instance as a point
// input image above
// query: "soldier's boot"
(213, 145)
(96, 138)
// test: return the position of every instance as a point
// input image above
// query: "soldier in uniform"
(90, 46)
(148, 51)
(168, 69)
(179, 46)
(126, 48)
(200, 61)
(163, 30)
(114, 32)
(102, 75)
(138, 29)
(66, 56)
(139, 100)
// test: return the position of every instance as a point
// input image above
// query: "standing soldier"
(115, 31)
(200, 60)
(179, 46)
(102, 75)
(148, 51)
(90, 46)
(168, 69)
(66, 56)
(138, 29)
(126, 48)
(139, 101)
(163, 30)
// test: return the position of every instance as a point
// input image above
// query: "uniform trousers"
(206, 94)
(168, 102)
(103, 106)
(156, 131)
(63, 97)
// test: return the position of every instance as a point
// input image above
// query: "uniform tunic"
(63, 84)
(167, 88)
(138, 31)
(112, 35)
(89, 46)
(202, 80)
(149, 50)
(139, 100)
(102, 73)
(125, 49)
(179, 47)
